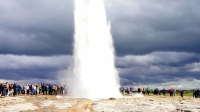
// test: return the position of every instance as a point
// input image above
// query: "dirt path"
(85, 106)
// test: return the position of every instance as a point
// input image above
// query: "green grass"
(188, 93)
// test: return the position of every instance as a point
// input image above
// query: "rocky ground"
(134, 103)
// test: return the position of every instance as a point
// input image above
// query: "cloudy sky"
(157, 43)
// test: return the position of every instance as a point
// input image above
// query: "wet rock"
(151, 100)
(112, 99)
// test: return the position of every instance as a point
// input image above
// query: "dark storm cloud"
(142, 27)
(158, 67)
(158, 58)
(36, 27)
(22, 74)
(157, 78)
(138, 27)
(14, 67)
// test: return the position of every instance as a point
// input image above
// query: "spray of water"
(94, 73)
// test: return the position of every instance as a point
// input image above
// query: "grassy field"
(188, 93)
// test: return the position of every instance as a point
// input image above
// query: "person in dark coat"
(139, 90)
(30, 89)
(1, 90)
(197, 93)
(164, 91)
(148, 91)
(194, 93)
(181, 92)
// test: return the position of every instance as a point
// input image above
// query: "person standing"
(174, 92)
(144, 91)
(171, 92)
(38, 89)
(148, 91)
(197, 93)
(122, 90)
(131, 90)
(181, 92)
(22, 88)
(43, 88)
(18, 89)
(5, 89)
(194, 93)
(1, 88)
(33, 89)
(163, 91)
(140, 90)
(27, 89)
(11, 89)
(127, 90)
(14, 88)
(30, 88)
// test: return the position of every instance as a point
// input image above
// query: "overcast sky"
(157, 43)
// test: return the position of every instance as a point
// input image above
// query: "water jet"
(93, 68)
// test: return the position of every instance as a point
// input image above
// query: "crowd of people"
(7, 89)
(196, 93)
(146, 91)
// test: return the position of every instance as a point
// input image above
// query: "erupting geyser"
(94, 72)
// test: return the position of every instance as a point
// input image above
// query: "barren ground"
(134, 103)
